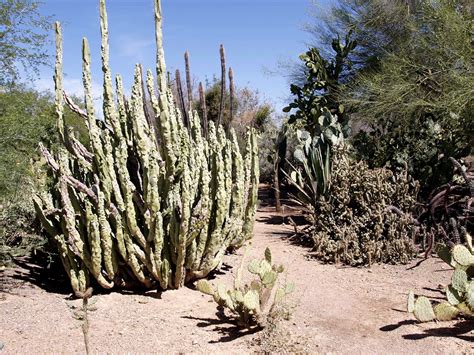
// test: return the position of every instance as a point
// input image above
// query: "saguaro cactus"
(151, 201)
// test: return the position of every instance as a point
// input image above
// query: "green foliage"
(252, 303)
(355, 225)
(417, 108)
(459, 294)
(26, 117)
(18, 232)
(314, 156)
(378, 26)
(148, 201)
(213, 99)
(267, 148)
(313, 181)
(22, 38)
(318, 94)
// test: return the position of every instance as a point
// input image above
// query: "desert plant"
(318, 93)
(314, 156)
(459, 294)
(416, 109)
(252, 303)
(150, 201)
(448, 216)
(355, 223)
(313, 180)
(26, 116)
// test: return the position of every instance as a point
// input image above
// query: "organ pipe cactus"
(150, 201)
(459, 294)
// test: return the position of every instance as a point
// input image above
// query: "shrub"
(416, 109)
(353, 221)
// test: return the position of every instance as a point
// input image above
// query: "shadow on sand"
(463, 330)
(223, 325)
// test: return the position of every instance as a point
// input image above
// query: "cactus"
(151, 202)
(350, 207)
(459, 294)
(252, 303)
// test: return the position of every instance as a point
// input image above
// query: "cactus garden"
(162, 189)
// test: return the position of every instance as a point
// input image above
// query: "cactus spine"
(152, 201)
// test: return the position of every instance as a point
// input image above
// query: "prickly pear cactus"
(459, 294)
(151, 202)
(254, 302)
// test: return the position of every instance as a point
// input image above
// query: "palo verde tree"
(23, 35)
(417, 108)
(378, 27)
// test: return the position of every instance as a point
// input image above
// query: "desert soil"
(336, 310)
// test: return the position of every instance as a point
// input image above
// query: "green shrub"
(354, 221)
(416, 108)
(26, 117)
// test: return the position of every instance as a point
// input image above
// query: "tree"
(416, 109)
(23, 34)
(26, 118)
(378, 26)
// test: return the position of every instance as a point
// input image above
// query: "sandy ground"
(337, 310)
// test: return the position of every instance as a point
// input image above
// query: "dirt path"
(339, 310)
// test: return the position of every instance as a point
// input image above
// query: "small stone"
(1, 345)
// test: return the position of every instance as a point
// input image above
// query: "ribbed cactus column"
(151, 202)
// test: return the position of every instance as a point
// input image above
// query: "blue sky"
(257, 34)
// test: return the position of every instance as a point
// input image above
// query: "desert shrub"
(447, 216)
(18, 231)
(255, 303)
(26, 116)
(354, 222)
(268, 137)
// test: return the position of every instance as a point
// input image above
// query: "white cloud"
(134, 48)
